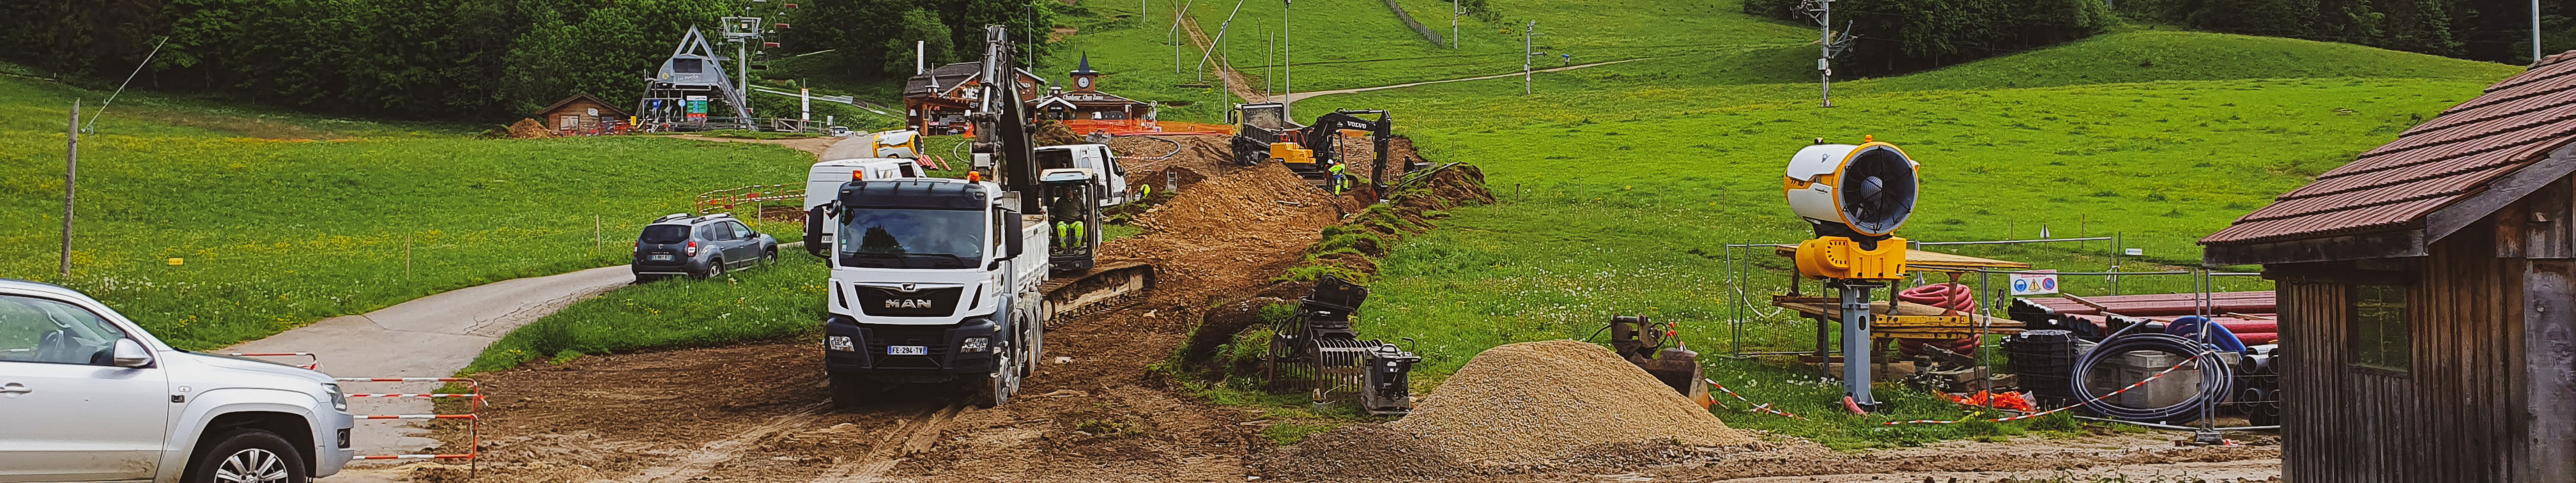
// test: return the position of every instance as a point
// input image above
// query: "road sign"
(2038, 283)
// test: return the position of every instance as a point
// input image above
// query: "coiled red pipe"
(1951, 296)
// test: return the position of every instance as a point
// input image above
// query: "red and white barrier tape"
(474, 421)
(1762, 408)
(2152, 378)
(414, 456)
(416, 395)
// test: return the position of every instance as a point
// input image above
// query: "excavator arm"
(1321, 135)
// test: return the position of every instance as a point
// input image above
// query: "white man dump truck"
(949, 281)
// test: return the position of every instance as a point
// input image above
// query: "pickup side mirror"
(129, 353)
(1011, 234)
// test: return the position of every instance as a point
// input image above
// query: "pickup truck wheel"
(249, 456)
(848, 390)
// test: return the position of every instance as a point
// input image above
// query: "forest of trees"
(477, 60)
(1898, 36)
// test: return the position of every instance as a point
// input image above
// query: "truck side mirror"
(814, 231)
(1011, 234)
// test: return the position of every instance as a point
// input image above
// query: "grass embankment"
(1620, 185)
(770, 302)
(277, 229)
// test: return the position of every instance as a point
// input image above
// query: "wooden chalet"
(936, 102)
(2427, 292)
(1086, 102)
(581, 112)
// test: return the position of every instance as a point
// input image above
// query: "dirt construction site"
(1096, 409)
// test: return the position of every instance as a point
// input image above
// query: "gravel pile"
(1535, 402)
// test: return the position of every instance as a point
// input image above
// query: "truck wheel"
(249, 456)
(848, 390)
(992, 390)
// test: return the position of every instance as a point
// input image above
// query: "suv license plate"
(907, 350)
(661, 258)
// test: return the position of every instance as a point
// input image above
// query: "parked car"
(89, 396)
(699, 246)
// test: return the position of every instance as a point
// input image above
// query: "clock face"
(1082, 82)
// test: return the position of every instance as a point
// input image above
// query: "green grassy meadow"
(769, 302)
(280, 220)
(1621, 185)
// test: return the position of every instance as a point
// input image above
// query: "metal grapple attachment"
(1317, 351)
(1641, 342)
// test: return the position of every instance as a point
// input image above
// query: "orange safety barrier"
(473, 416)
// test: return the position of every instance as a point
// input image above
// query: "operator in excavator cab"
(1069, 234)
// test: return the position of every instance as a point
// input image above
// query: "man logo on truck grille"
(907, 304)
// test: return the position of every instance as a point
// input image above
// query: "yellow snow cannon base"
(1837, 257)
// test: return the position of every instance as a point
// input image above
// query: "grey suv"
(699, 246)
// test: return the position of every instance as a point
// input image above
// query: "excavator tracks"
(1104, 288)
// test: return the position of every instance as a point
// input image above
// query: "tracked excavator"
(1263, 133)
(939, 280)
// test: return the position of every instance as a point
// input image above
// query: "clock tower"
(1085, 79)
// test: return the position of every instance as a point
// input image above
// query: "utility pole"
(1828, 46)
(1287, 87)
(1526, 53)
(71, 175)
(2535, 32)
(1269, 55)
(1453, 24)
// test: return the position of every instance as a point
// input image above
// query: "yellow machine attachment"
(1291, 153)
(1835, 257)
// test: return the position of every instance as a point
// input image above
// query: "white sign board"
(2040, 283)
(2135, 252)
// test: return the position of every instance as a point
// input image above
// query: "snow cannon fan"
(1855, 196)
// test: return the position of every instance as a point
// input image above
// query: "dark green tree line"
(455, 59)
(1897, 36)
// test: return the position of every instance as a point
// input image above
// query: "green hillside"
(284, 219)
(1621, 184)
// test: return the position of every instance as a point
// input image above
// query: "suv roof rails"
(727, 216)
(669, 217)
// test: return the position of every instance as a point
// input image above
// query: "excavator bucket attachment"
(1103, 288)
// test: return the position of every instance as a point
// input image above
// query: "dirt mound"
(530, 129)
(1535, 402)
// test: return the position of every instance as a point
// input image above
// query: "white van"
(1111, 178)
(823, 184)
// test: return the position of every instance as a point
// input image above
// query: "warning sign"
(2042, 282)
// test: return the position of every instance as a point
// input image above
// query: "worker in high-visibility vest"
(1336, 169)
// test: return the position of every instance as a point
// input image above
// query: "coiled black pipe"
(2217, 379)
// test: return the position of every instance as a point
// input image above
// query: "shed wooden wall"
(2468, 410)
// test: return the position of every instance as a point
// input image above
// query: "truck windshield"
(912, 238)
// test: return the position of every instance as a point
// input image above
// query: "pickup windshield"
(912, 238)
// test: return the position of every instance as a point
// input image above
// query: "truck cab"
(1108, 178)
(90, 396)
(933, 280)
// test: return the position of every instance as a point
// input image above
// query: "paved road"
(432, 336)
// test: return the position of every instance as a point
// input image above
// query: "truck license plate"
(661, 258)
(907, 350)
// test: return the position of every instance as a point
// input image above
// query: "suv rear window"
(666, 234)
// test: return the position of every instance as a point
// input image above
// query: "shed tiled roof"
(2514, 123)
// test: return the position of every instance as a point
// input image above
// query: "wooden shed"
(2427, 292)
(581, 112)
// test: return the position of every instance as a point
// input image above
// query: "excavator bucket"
(1641, 342)
(1103, 288)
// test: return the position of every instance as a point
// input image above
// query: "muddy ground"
(1094, 411)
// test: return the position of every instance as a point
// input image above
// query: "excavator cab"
(1073, 219)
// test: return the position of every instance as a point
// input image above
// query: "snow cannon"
(1855, 196)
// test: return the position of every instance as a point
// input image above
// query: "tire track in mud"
(891, 450)
(696, 464)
